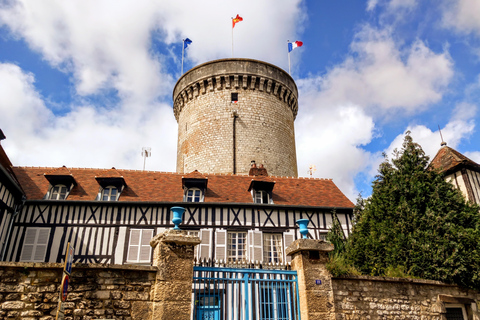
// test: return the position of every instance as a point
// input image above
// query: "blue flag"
(186, 42)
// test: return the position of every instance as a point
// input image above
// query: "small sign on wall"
(318, 282)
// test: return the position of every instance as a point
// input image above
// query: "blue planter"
(303, 223)
(177, 216)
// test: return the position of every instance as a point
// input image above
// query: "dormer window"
(194, 187)
(61, 183)
(261, 196)
(193, 195)
(261, 189)
(111, 184)
(58, 192)
(110, 193)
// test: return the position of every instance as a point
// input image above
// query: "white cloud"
(461, 126)
(331, 139)
(86, 136)
(380, 76)
(395, 7)
(126, 47)
(473, 155)
(462, 15)
(19, 101)
(107, 44)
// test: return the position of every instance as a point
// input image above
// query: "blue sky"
(89, 83)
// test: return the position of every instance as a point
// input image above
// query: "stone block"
(122, 304)
(31, 313)
(141, 310)
(13, 305)
(171, 310)
(102, 295)
(172, 290)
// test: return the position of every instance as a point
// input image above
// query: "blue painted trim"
(264, 271)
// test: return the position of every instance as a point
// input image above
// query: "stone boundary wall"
(366, 297)
(31, 291)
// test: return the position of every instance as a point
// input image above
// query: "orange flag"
(236, 20)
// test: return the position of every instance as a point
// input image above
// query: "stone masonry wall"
(264, 129)
(31, 291)
(391, 298)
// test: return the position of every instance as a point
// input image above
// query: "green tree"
(417, 222)
(336, 236)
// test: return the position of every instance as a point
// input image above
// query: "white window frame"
(107, 191)
(35, 244)
(235, 241)
(54, 194)
(135, 257)
(272, 242)
(197, 194)
(260, 195)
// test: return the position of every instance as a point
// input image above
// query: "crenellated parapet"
(235, 74)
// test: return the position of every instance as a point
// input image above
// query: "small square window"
(194, 195)
(261, 196)
(110, 193)
(58, 192)
(234, 97)
(455, 312)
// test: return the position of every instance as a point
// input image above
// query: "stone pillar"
(172, 294)
(314, 281)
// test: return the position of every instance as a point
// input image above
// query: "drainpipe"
(235, 116)
(16, 211)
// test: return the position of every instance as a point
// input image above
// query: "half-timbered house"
(461, 171)
(110, 215)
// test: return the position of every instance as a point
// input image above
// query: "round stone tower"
(231, 112)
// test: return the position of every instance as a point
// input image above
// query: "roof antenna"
(146, 152)
(443, 142)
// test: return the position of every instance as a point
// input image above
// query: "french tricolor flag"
(293, 45)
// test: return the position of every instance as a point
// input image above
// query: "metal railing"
(245, 294)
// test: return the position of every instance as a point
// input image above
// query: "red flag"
(236, 20)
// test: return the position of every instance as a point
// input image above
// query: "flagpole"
(288, 52)
(183, 52)
(232, 37)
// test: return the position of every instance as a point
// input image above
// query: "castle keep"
(233, 111)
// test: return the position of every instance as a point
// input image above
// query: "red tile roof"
(194, 175)
(62, 171)
(109, 173)
(167, 187)
(448, 160)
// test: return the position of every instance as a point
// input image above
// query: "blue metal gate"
(245, 294)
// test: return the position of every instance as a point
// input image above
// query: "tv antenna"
(441, 137)
(146, 152)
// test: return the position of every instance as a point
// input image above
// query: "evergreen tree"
(336, 236)
(418, 222)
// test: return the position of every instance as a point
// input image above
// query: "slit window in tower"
(234, 97)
